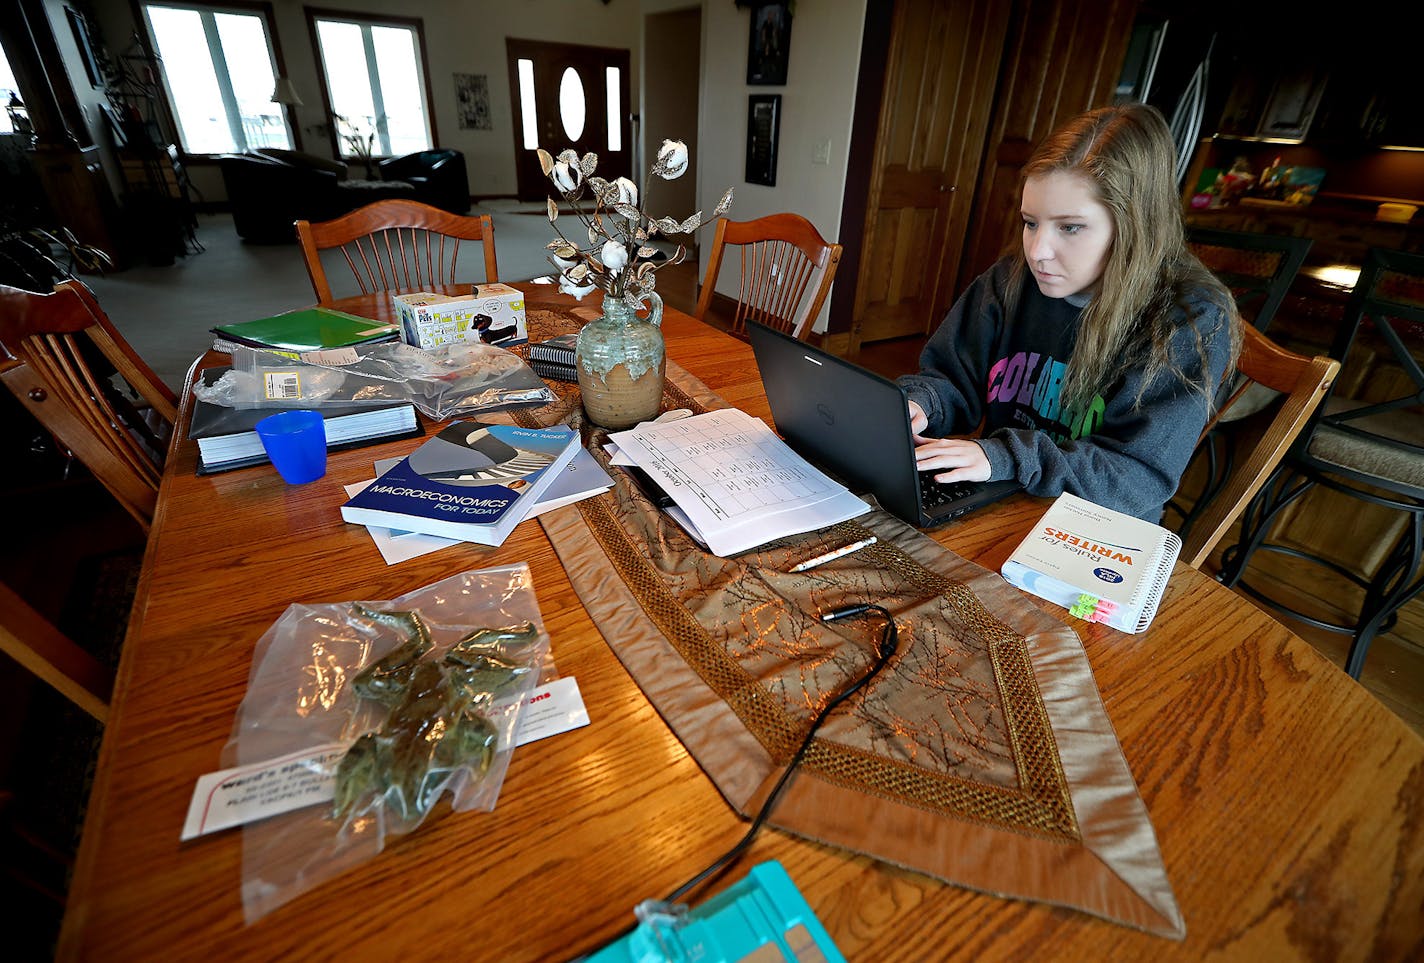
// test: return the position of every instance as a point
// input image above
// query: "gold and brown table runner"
(981, 755)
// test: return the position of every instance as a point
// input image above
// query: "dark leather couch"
(438, 175)
(270, 190)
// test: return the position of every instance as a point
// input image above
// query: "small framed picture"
(770, 44)
(763, 128)
(80, 28)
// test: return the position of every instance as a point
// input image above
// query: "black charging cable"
(889, 641)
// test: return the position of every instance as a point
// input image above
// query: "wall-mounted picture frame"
(472, 101)
(80, 29)
(763, 131)
(769, 45)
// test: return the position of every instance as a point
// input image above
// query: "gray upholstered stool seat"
(1366, 453)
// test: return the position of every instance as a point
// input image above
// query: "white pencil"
(834, 554)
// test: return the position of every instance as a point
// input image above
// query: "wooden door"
(561, 96)
(1063, 57)
(939, 91)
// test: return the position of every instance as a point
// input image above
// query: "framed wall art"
(769, 44)
(763, 128)
(472, 101)
(80, 29)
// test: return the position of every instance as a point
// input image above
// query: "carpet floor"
(166, 312)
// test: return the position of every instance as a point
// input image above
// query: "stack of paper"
(736, 485)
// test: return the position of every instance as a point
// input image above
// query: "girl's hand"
(959, 459)
(918, 422)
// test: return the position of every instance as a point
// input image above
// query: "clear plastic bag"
(442, 382)
(282, 383)
(370, 677)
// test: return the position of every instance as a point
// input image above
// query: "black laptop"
(855, 424)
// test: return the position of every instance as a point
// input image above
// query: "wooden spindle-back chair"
(62, 356)
(60, 348)
(781, 253)
(395, 244)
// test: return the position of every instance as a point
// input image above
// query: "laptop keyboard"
(934, 494)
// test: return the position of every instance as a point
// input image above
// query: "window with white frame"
(9, 91)
(374, 71)
(219, 71)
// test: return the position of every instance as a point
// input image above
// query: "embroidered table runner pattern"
(982, 755)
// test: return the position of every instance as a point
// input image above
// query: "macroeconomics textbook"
(473, 482)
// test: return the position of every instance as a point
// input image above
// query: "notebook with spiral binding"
(1100, 564)
(559, 349)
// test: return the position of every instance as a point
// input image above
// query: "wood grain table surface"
(1288, 803)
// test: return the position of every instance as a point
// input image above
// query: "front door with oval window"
(568, 96)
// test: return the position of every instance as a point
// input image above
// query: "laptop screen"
(850, 421)
(856, 425)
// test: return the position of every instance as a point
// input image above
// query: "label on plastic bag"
(240, 795)
(245, 794)
(333, 357)
(284, 384)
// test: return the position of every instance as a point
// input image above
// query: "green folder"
(310, 329)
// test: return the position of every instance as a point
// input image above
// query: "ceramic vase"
(621, 363)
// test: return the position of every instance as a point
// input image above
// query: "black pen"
(648, 487)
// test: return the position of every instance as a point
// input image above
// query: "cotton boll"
(577, 290)
(627, 191)
(565, 257)
(567, 177)
(614, 256)
(672, 159)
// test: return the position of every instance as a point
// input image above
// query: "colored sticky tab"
(1084, 607)
(1102, 611)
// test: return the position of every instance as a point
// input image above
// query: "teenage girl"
(1090, 360)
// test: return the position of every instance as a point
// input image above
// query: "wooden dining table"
(1288, 803)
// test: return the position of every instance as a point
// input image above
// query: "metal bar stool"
(1369, 448)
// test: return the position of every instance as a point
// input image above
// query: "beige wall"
(816, 107)
(671, 76)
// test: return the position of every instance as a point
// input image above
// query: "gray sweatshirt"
(979, 367)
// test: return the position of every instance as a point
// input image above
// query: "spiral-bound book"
(559, 349)
(1102, 565)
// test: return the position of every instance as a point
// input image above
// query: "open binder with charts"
(734, 484)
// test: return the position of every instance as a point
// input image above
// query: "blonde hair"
(1127, 156)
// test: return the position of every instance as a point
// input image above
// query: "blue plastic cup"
(296, 443)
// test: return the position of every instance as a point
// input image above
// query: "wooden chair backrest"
(780, 255)
(30, 639)
(395, 244)
(49, 370)
(1303, 382)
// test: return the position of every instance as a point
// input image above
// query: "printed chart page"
(735, 481)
